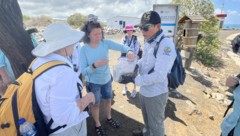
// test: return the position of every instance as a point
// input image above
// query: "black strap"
(79, 86)
(2, 100)
(231, 133)
(229, 106)
(134, 40)
(15, 112)
(49, 124)
(129, 42)
(157, 46)
(155, 51)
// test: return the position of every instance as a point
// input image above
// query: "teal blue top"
(233, 119)
(4, 62)
(88, 56)
(34, 40)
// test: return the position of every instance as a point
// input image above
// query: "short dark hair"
(88, 27)
(32, 30)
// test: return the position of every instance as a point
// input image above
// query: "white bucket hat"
(56, 37)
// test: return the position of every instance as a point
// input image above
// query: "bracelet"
(94, 66)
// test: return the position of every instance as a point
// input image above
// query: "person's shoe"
(113, 123)
(173, 90)
(134, 93)
(99, 131)
(137, 132)
(124, 91)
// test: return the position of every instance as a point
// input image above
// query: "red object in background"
(221, 15)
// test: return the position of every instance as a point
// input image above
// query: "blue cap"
(21, 121)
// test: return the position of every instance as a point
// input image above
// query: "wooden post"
(188, 61)
(190, 41)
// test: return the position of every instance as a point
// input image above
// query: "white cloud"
(102, 8)
(232, 12)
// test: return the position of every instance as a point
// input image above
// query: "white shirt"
(56, 92)
(75, 57)
(156, 83)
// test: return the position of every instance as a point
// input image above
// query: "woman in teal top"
(94, 66)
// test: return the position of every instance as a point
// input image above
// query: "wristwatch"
(94, 66)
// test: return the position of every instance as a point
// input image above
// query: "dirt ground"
(189, 112)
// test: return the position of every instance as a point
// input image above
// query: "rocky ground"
(195, 110)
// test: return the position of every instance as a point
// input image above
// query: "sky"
(231, 8)
(105, 9)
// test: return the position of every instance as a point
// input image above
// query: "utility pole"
(222, 8)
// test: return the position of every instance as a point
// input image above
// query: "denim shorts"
(100, 91)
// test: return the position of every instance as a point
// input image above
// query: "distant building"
(119, 22)
(59, 20)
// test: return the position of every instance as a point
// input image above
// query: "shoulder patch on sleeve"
(167, 50)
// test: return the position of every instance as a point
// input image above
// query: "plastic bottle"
(26, 128)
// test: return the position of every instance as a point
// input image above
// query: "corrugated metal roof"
(193, 18)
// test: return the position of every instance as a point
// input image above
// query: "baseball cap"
(149, 17)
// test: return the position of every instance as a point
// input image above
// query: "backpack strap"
(155, 51)
(46, 67)
(157, 46)
(125, 39)
(36, 109)
(30, 66)
(49, 124)
(15, 112)
(229, 106)
(134, 40)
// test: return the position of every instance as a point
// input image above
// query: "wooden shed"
(191, 25)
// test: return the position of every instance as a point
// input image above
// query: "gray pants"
(77, 130)
(153, 109)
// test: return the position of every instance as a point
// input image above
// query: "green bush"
(208, 46)
(76, 20)
(25, 18)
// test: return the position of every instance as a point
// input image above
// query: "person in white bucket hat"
(56, 89)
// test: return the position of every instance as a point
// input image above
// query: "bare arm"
(5, 77)
(82, 103)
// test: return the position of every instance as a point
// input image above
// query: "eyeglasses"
(146, 27)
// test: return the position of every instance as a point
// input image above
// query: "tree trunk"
(15, 42)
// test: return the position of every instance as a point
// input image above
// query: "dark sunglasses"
(146, 27)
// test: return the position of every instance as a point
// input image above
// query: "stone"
(211, 116)
(217, 96)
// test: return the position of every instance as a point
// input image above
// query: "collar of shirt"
(52, 57)
(154, 37)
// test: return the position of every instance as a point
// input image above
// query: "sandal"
(100, 132)
(113, 123)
